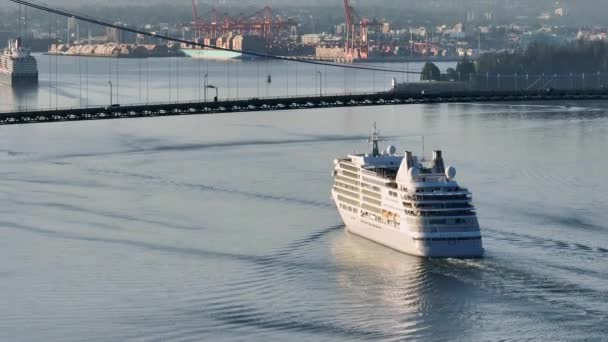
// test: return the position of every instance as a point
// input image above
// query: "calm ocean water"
(221, 228)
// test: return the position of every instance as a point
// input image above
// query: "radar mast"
(373, 140)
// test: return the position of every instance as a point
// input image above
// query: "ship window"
(348, 167)
(350, 174)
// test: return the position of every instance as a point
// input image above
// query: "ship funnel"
(438, 166)
(409, 158)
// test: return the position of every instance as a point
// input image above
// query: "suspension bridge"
(289, 92)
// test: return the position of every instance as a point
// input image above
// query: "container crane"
(356, 44)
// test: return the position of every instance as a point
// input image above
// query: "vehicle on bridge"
(112, 106)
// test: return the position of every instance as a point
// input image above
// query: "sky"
(582, 12)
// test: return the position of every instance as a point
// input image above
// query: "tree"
(464, 69)
(430, 72)
(451, 74)
(538, 58)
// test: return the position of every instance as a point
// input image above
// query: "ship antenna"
(373, 139)
(422, 149)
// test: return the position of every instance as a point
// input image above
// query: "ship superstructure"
(17, 65)
(407, 204)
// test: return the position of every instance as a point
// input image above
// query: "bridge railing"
(186, 102)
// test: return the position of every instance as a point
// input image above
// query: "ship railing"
(438, 197)
(440, 213)
(464, 208)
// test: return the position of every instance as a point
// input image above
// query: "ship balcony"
(464, 208)
(437, 203)
(442, 206)
(451, 197)
(441, 213)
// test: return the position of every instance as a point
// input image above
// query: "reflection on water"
(402, 289)
(23, 97)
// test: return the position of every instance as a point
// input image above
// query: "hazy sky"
(581, 12)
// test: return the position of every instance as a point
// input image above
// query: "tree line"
(539, 58)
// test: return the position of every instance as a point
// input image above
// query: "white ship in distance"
(407, 204)
(17, 66)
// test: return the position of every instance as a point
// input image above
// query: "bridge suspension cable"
(183, 41)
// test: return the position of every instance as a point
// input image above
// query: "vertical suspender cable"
(50, 69)
(237, 79)
(345, 88)
(139, 78)
(116, 87)
(268, 72)
(86, 68)
(147, 80)
(325, 78)
(317, 88)
(198, 76)
(110, 79)
(374, 82)
(80, 81)
(56, 70)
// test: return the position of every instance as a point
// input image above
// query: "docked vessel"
(211, 54)
(407, 204)
(226, 47)
(17, 65)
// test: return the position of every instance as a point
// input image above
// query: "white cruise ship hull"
(400, 241)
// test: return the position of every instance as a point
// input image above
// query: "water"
(221, 228)
(67, 81)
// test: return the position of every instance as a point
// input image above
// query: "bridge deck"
(304, 102)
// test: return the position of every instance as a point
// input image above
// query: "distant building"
(591, 35)
(340, 29)
(386, 28)
(311, 39)
(489, 16)
(73, 33)
(560, 10)
(112, 35)
(421, 31)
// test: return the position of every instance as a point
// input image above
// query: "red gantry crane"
(263, 23)
(356, 43)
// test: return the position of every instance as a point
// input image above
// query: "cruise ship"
(407, 204)
(17, 66)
